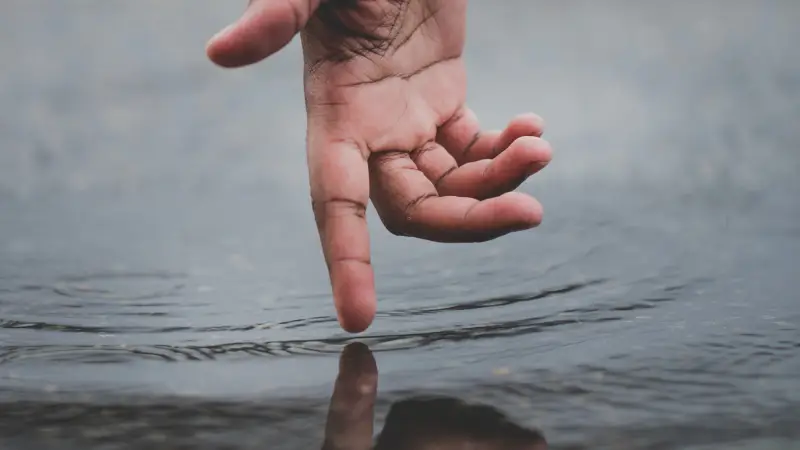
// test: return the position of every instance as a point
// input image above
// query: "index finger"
(339, 179)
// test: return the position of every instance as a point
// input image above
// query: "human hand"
(385, 90)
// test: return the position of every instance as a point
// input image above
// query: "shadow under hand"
(418, 423)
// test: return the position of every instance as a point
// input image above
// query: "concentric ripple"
(91, 288)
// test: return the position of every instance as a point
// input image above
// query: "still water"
(161, 284)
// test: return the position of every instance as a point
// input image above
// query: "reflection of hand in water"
(350, 415)
(440, 423)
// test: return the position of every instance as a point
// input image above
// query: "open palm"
(385, 91)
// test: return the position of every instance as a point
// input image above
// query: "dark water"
(161, 284)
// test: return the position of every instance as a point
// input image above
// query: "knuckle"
(336, 207)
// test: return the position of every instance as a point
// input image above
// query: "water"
(161, 284)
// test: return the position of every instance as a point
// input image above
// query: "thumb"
(265, 27)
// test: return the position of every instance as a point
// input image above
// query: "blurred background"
(161, 283)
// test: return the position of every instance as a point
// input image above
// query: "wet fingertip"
(355, 307)
(354, 324)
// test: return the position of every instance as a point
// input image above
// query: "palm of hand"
(385, 90)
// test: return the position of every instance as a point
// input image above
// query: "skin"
(385, 91)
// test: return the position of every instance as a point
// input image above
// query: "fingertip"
(215, 56)
(523, 125)
(498, 216)
(356, 318)
(354, 295)
(531, 118)
(529, 123)
(223, 50)
(520, 209)
(534, 152)
(263, 29)
(210, 44)
(526, 156)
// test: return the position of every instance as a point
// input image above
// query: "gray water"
(161, 284)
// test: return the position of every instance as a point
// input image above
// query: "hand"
(415, 423)
(385, 92)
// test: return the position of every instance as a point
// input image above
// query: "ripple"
(385, 342)
(8, 323)
(130, 329)
(493, 302)
(107, 286)
(106, 353)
